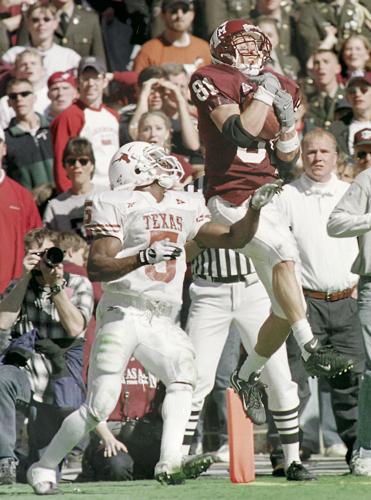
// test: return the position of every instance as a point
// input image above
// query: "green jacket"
(29, 158)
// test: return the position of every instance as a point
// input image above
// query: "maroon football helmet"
(234, 41)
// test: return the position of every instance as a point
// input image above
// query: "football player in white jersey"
(139, 230)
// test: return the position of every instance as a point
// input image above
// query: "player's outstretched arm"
(237, 235)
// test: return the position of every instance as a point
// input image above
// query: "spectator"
(47, 311)
(327, 90)
(281, 62)
(355, 56)
(18, 215)
(28, 64)
(90, 118)
(155, 127)
(62, 92)
(42, 22)
(362, 150)
(175, 43)
(326, 24)
(161, 94)
(29, 158)
(66, 211)
(127, 446)
(328, 283)
(125, 27)
(78, 29)
(217, 11)
(350, 218)
(286, 23)
(358, 93)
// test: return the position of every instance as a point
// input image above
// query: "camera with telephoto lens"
(52, 256)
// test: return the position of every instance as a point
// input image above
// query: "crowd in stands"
(79, 79)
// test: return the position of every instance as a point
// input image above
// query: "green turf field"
(264, 488)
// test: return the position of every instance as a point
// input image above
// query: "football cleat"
(165, 473)
(194, 465)
(250, 393)
(297, 472)
(264, 194)
(325, 361)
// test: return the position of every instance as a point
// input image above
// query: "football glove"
(160, 251)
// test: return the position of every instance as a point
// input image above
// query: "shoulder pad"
(226, 79)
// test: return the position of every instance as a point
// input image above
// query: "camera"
(52, 256)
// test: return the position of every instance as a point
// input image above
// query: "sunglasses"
(71, 162)
(36, 20)
(362, 155)
(174, 10)
(362, 88)
(14, 95)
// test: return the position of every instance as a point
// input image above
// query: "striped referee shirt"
(220, 263)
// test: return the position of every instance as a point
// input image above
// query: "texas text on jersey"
(232, 172)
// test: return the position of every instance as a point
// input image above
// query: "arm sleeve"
(101, 218)
(350, 217)
(202, 215)
(141, 61)
(66, 125)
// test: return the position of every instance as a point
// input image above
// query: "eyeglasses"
(71, 162)
(14, 95)
(353, 90)
(362, 155)
(45, 19)
(174, 10)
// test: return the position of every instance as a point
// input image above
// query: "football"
(271, 126)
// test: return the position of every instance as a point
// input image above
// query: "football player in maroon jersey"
(234, 97)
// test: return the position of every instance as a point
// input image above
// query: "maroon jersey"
(232, 172)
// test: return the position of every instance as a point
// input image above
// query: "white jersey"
(138, 220)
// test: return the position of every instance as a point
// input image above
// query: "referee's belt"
(328, 296)
(226, 279)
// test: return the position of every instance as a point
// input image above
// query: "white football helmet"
(140, 164)
(235, 39)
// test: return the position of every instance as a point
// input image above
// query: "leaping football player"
(139, 230)
(235, 97)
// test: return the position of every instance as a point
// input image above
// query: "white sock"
(176, 410)
(72, 430)
(287, 424)
(291, 453)
(254, 363)
(303, 334)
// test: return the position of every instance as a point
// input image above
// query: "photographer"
(46, 311)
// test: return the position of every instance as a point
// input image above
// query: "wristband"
(147, 256)
(142, 257)
(289, 145)
(263, 95)
(54, 289)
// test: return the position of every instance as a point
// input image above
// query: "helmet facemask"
(231, 45)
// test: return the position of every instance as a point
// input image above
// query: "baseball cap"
(167, 4)
(362, 137)
(91, 62)
(62, 76)
(365, 78)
